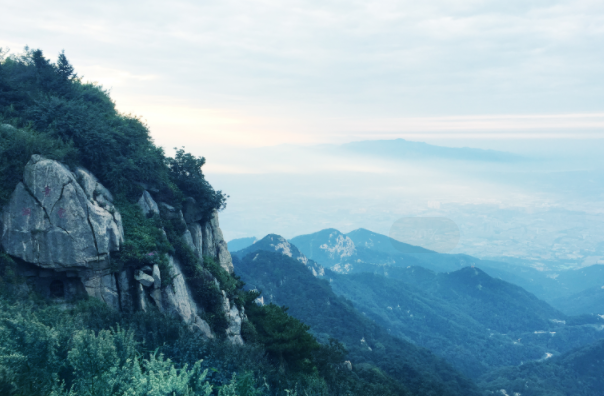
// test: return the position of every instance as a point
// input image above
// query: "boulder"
(63, 225)
(94, 190)
(147, 204)
(143, 279)
(52, 222)
(156, 277)
(214, 244)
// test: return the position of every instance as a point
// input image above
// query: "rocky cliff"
(63, 227)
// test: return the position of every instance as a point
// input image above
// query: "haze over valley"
(304, 198)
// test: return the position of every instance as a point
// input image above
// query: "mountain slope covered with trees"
(80, 345)
(287, 281)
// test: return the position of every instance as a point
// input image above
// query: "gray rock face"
(196, 238)
(143, 279)
(141, 298)
(234, 319)
(191, 211)
(214, 244)
(178, 301)
(174, 299)
(102, 286)
(156, 277)
(126, 291)
(147, 204)
(53, 222)
(65, 226)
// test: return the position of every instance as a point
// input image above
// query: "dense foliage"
(476, 329)
(475, 321)
(64, 118)
(86, 348)
(576, 373)
(93, 350)
(284, 280)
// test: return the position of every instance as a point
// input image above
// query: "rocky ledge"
(62, 226)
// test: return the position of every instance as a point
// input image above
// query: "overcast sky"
(269, 72)
(225, 77)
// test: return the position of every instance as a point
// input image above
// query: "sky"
(227, 78)
(257, 73)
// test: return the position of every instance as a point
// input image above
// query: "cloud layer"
(307, 71)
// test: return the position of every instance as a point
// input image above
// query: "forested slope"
(576, 373)
(285, 280)
(66, 344)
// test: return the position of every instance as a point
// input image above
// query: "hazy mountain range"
(541, 208)
(457, 306)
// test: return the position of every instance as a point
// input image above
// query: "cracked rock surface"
(57, 219)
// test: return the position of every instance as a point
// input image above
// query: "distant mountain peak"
(278, 244)
(339, 245)
(241, 243)
(406, 149)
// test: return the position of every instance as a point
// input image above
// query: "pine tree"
(64, 69)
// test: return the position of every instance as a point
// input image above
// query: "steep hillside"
(577, 373)
(476, 332)
(285, 280)
(341, 254)
(111, 249)
(366, 251)
(590, 301)
(276, 243)
(475, 321)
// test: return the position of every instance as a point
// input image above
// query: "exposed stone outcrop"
(204, 239)
(144, 279)
(196, 238)
(214, 244)
(234, 319)
(147, 204)
(64, 222)
(54, 222)
(277, 243)
(63, 225)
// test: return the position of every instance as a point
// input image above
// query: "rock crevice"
(63, 225)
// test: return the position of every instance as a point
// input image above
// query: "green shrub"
(8, 271)
(145, 243)
(185, 172)
(16, 148)
(230, 283)
(37, 95)
(284, 337)
(200, 281)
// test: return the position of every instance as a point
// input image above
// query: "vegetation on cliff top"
(85, 347)
(60, 116)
